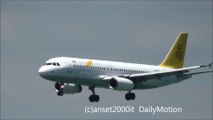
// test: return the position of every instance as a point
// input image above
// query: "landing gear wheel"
(91, 99)
(130, 96)
(127, 96)
(94, 98)
(59, 86)
(60, 93)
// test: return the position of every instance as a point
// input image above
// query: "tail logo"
(179, 52)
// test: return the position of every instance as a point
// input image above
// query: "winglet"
(210, 65)
(175, 57)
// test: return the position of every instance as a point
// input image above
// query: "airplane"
(70, 74)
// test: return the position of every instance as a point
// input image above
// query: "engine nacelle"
(69, 88)
(119, 83)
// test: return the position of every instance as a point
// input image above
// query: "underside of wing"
(177, 72)
(162, 78)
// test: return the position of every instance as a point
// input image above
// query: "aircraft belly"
(84, 80)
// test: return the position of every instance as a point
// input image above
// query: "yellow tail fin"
(175, 57)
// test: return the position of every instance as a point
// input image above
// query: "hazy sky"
(138, 31)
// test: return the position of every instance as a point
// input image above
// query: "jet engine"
(67, 88)
(120, 83)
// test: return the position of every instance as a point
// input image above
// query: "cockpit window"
(54, 63)
(49, 64)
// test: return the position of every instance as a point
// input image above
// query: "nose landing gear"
(59, 88)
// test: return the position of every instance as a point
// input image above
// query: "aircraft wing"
(178, 72)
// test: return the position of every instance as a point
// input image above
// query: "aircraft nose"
(42, 72)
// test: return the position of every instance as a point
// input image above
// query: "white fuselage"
(97, 72)
(69, 74)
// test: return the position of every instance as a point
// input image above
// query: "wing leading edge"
(177, 72)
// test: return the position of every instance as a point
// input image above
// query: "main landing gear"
(130, 96)
(93, 97)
